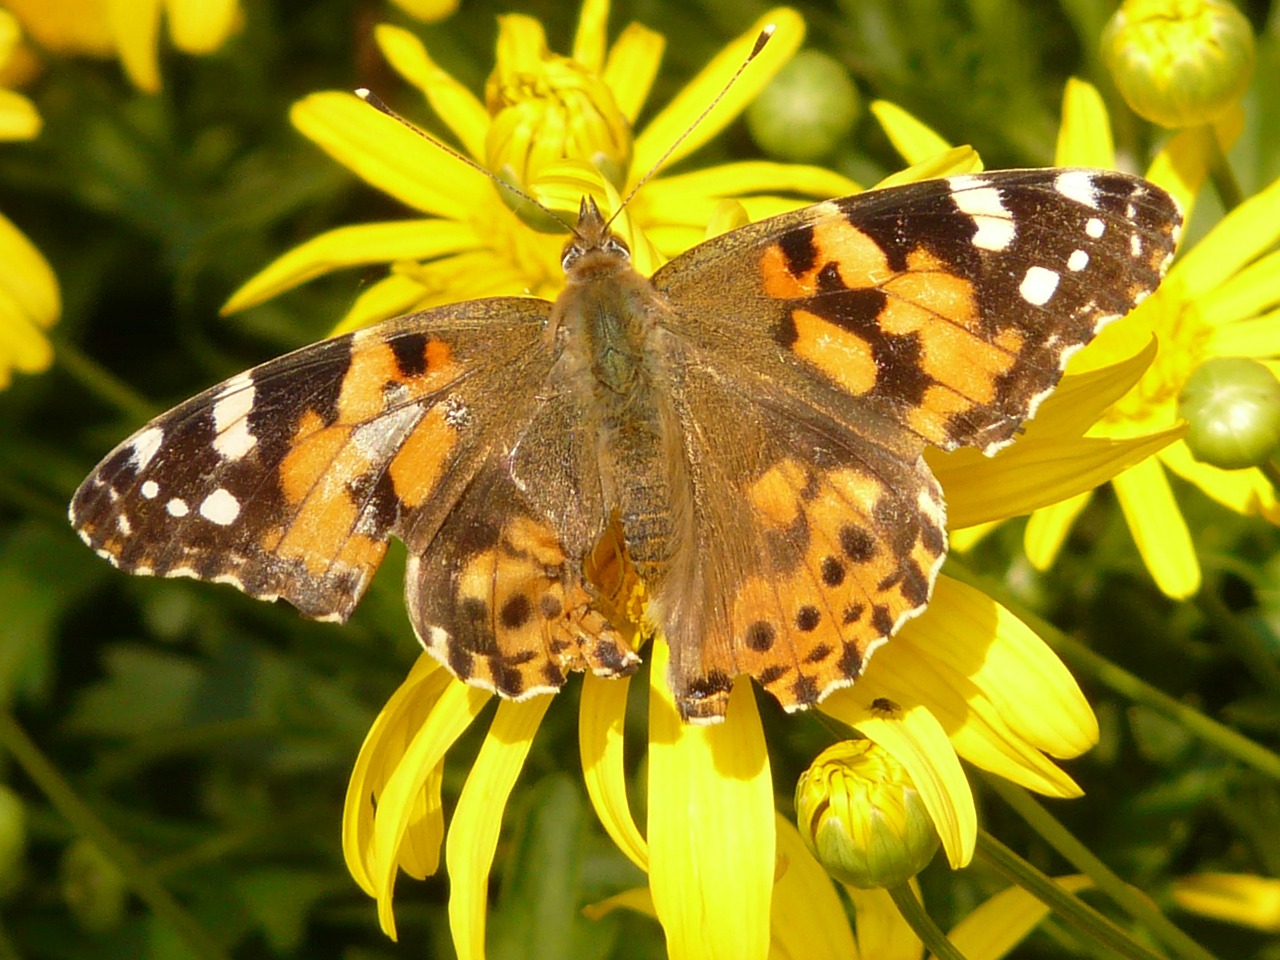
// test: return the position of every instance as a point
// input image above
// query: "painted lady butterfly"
(752, 418)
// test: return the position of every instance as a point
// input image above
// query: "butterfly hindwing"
(288, 479)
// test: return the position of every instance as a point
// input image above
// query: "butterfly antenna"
(765, 36)
(373, 100)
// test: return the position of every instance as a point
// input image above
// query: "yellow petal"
(1244, 491)
(600, 727)
(1239, 237)
(453, 712)
(1004, 921)
(135, 24)
(589, 41)
(808, 921)
(391, 296)
(473, 832)
(1035, 473)
(1241, 898)
(26, 278)
(202, 26)
(883, 934)
(1256, 337)
(953, 161)
(456, 106)
(1181, 166)
(1081, 398)
(19, 118)
(1026, 682)
(630, 70)
(742, 178)
(1253, 289)
(428, 11)
(963, 539)
(353, 246)
(913, 139)
(711, 826)
(637, 899)
(677, 117)
(1158, 529)
(390, 156)
(1084, 138)
(1048, 527)
(917, 741)
(380, 751)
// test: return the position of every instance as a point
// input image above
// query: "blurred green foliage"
(212, 735)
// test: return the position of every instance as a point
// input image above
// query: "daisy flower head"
(129, 30)
(556, 127)
(29, 299)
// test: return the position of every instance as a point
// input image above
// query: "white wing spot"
(1095, 227)
(981, 202)
(231, 419)
(177, 507)
(1038, 286)
(145, 446)
(150, 489)
(1135, 246)
(1077, 185)
(123, 524)
(1078, 260)
(220, 507)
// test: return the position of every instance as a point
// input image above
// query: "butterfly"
(749, 422)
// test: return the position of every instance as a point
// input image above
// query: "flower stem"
(1080, 658)
(1068, 907)
(1224, 180)
(1132, 901)
(918, 919)
(87, 824)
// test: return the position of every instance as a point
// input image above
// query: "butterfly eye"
(570, 254)
(617, 245)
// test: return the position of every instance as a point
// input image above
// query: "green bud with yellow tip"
(1179, 63)
(1232, 408)
(860, 815)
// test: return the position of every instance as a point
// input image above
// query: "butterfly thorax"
(616, 353)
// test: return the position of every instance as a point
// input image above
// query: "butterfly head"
(594, 250)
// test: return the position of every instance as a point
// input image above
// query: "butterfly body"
(751, 419)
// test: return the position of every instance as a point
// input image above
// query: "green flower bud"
(13, 840)
(1232, 405)
(93, 888)
(806, 111)
(1179, 63)
(861, 817)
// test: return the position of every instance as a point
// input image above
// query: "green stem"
(1132, 901)
(1068, 907)
(1224, 180)
(918, 919)
(87, 824)
(105, 385)
(1083, 660)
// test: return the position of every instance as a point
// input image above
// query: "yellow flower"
(560, 127)
(29, 298)
(129, 29)
(1220, 299)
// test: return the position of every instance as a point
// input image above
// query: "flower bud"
(546, 108)
(1179, 63)
(93, 887)
(1232, 405)
(860, 815)
(807, 110)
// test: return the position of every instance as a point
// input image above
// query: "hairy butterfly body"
(752, 419)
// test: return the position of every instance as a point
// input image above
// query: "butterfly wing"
(857, 332)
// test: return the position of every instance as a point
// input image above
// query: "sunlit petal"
(678, 116)
(135, 24)
(1241, 235)
(882, 932)
(202, 26)
(631, 68)
(914, 140)
(1249, 292)
(1244, 491)
(711, 826)
(808, 920)
(19, 118)
(600, 721)
(1084, 136)
(1004, 921)
(473, 831)
(1048, 527)
(1158, 529)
